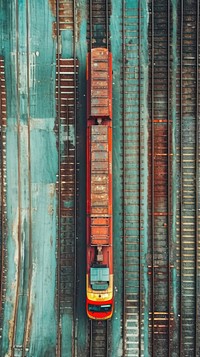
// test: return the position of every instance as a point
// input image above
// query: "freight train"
(99, 274)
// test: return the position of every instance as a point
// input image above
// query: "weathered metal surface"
(100, 195)
(99, 84)
(100, 226)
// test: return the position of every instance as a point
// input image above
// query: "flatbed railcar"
(99, 275)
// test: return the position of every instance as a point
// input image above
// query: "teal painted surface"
(67, 44)
(31, 200)
(66, 340)
(44, 167)
(24, 199)
(116, 45)
(42, 312)
(42, 61)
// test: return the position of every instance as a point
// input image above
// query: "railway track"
(160, 168)
(66, 99)
(3, 252)
(132, 178)
(99, 338)
(98, 36)
(98, 24)
(163, 315)
(188, 211)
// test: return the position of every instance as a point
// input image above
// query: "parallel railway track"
(165, 320)
(66, 99)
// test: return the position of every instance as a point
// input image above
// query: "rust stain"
(50, 210)
(10, 335)
(78, 21)
(52, 190)
(160, 168)
(52, 4)
(28, 326)
(54, 30)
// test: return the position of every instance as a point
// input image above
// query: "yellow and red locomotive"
(99, 275)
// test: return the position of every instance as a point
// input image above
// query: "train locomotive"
(99, 265)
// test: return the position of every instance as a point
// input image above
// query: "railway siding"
(66, 113)
(188, 161)
(160, 179)
(116, 43)
(131, 180)
(174, 284)
(66, 188)
(3, 213)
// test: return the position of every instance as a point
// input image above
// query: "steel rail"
(1, 183)
(169, 170)
(181, 170)
(140, 160)
(75, 184)
(2, 200)
(152, 168)
(25, 340)
(107, 24)
(19, 181)
(67, 123)
(91, 344)
(58, 352)
(3, 205)
(123, 173)
(107, 334)
(90, 24)
(197, 184)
